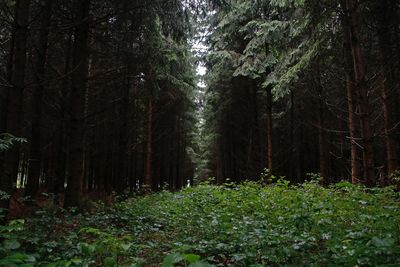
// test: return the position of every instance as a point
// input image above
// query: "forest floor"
(245, 225)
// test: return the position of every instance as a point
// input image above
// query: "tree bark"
(353, 118)
(35, 155)
(291, 139)
(321, 130)
(353, 125)
(122, 174)
(12, 120)
(387, 87)
(61, 153)
(148, 181)
(77, 105)
(390, 139)
(269, 131)
(350, 11)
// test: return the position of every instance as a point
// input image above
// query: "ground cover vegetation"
(229, 225)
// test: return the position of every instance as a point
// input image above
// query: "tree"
(77, 126)
(14, 93)
(288, 48)
(351, 16)
(40, 64)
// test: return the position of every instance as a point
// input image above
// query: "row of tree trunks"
(81, 77)
(12, 120)
(351, 19)
(358, 94)
(368, 123)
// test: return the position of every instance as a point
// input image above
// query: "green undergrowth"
(244, 225)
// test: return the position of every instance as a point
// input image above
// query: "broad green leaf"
(200, 264)
(191, 258)
(171, 260)
(110, 262)
(11, 244)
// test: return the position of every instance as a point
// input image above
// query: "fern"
(8, 140)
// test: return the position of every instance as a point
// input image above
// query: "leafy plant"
(190, 260)
(4, 195)
(235, 225)
(12, 236)
(395, 178)
(8, 140)
(106, 248)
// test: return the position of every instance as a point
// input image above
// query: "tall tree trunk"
(397, 82)
(122, 174)
(63, 123)
(250, 163)
(269, 131)
(35, 155)
(13, 117)
(269, 116)
(321, 130)
(256, 136)
(351, 15)
(177, 157)
(77, 109)
(148, 181)
(387, 87)
(353, 124)
(390, 138)
(88, 136)
(292, 146)
(133, 148)
(353, 118)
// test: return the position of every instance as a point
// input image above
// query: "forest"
(199, 133)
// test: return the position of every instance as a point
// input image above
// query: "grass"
(244, 225)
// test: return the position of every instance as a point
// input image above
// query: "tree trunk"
(61, 153)
(353, 125)
(321, 130)
(387, 87)
(349, 8)
(397, 90)
(77, 109)
(269, 131)
(35, 155)
(123, 134)
(353, 118)
(133, 148)
(13, 118)
(148, 181)
(257, 165)
(292, 172)
(390, 139)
